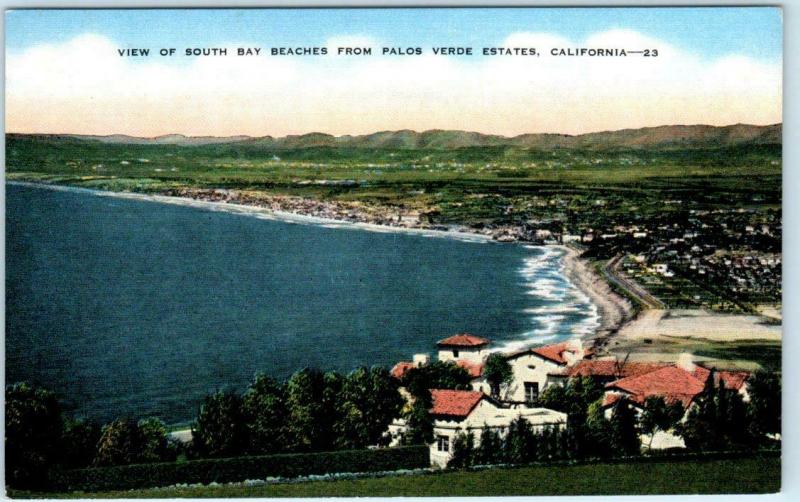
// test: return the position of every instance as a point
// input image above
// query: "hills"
(662, 137)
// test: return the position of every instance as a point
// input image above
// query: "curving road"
(613, 275)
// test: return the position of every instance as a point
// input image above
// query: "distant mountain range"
(663, 137)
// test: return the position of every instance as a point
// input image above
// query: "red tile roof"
(671, 383)
(733, 380)
(400, 369)
(454, 403)
(463, 340)
(610, 368)
(611, 399)
(475, 370)
(554, 352)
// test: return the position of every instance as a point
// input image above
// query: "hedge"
(226, 470)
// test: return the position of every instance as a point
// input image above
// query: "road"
(613, 275)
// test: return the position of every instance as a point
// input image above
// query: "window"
(443, 443)
(455, 353)
(531, 391)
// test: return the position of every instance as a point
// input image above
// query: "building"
(608, 370)
(675, 383)
(463, 347)
(537, 368)
(457, 412)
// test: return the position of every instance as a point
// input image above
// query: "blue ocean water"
(136, 308)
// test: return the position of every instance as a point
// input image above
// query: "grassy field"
(746, 475)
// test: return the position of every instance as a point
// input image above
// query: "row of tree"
(39, 436)
(312, 411)
(316, 411)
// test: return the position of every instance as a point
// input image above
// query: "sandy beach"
(614, 310)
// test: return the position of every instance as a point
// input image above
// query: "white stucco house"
(464, 411)
(537, 368)
(675, 383)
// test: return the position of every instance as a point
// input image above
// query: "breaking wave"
(561, 310)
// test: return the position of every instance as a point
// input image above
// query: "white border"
(791, 194)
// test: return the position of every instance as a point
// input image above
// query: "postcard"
(393, 252)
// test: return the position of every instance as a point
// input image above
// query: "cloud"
(84, 86)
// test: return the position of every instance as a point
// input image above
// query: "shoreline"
(269, 213)
(614, 312)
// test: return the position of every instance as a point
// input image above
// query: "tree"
(419, 422)
(304, 398)
(657, 416)
(550, 444)
(597, 438)
(78, 443)
(333, 385)
(264, 411)
(155, 447)
(498, 372)
(520, 446)
(490, 449)
(369, 401)
(463, 451)
(32, 434)
(437, 375)
(623, 437)
(699, 431)
(121, 443)
(555, 397)
(219, 430)
(574, 399)
(765, 402)
(718, 420)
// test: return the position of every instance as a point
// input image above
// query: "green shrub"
(226, 470)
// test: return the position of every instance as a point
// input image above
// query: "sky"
(715, 66)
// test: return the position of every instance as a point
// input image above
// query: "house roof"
(733, 380)
(670, 382)
(463, 340)
(454, 403)
(610, 368)
(475, 370)
(400, 369)
(554, 353)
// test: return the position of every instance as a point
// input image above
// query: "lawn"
(745, 475)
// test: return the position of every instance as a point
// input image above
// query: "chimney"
(421, 359)
(686, 362)
(573, 351)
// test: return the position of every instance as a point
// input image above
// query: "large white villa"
(536, 369)
(463, 411)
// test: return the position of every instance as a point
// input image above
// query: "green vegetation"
(136, 454)
(726, 194)
(766, 354)
(225, 470)
(497, 372)
(750, 474)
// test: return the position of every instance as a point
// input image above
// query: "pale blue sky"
(708, 32)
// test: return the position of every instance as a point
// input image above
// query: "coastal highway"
(612, 274)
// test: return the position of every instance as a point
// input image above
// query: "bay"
(136, 308)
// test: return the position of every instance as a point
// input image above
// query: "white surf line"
(549, 283)
(264, 213)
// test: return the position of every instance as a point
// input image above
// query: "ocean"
(133, 308)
